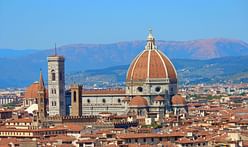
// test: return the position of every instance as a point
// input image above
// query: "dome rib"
(148, 64)
(161, 59)
(173, 72)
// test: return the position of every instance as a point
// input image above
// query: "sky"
(31, 24)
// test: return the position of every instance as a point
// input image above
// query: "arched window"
(88, 101)
(103, 100)
(53, 75)
(74, 96)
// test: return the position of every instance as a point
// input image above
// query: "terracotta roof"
(64, 138)
(159, 98)
(86, 141)
(138, 101)
(178, 100)
(21, 120)
(151, 63)
(150, 135)
(32, 91)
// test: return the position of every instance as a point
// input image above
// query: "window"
(74, 96)
(140, 89)
(53, 103)
(88, 101)
(53, 75)
(103, 100)
(157, 89)
(119, 100)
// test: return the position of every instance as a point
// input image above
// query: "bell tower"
(76, 100)
(42, 113)
(56, 85)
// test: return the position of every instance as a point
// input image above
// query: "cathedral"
(151, 89)
(151, 83)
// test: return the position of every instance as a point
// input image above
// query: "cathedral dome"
(151, 64)
(178, 100)
(138, 101)
(32, 91)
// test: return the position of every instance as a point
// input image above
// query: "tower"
(42, 113)
(56, 85)
(76, 100)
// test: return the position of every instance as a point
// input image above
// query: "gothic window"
(53, 103)
(74, 96)
(53, 75)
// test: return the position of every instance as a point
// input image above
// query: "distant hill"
(219, 70)
(21, 69)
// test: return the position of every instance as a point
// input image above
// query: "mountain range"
(20, 68)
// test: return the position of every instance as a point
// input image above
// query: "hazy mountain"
(20, 68)
(219, 70)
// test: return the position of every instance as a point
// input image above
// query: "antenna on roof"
(55, 50)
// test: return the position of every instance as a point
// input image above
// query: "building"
(56, 85)
(151, 82)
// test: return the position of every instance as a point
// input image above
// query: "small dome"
(159, 98)
(138, 101)
(178, 100)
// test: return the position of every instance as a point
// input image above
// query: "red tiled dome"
(178, 100)
(151, 63)
(159, 98)
(32, 91)
(138, 101)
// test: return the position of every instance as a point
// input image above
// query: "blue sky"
(31, 24)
